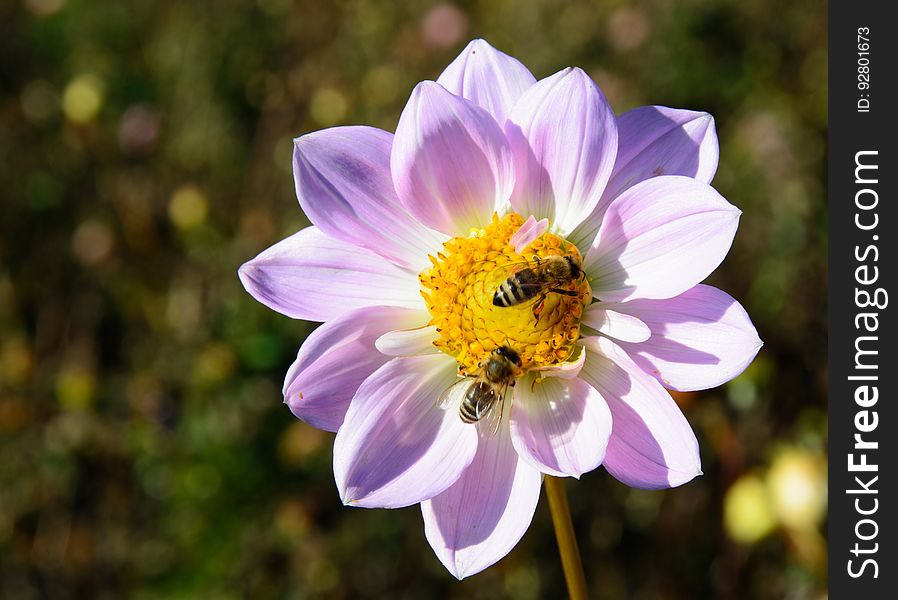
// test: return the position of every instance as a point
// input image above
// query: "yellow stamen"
(459, 288)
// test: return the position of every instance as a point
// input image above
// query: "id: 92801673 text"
(863, 69)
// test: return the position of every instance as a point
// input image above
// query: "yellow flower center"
(459, 288)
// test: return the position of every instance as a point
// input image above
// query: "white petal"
(660, 238)
(312, 276)
(408, 342)
(618, 325)
(654, 141)
(344, 186)
(336, 358)
(487, 77)
(652, 445)
(564, 138)
(451, 164)
(561, 427)
(478, 520)
(700, 339)
(397, 446)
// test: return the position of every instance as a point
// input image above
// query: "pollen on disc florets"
(459, 287)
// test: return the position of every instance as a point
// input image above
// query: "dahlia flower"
(489, 167)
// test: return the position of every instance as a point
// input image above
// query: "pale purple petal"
(478, 520)
(619, 325)
(409, 342)
(564, 138)
(526, 233)
(657, 140)
(344, 186)
(653, 141)
(700, 339)
(451, 165)
(660, 238)
(652, 445)
(561, 426)
(397, 447)
(312, 276)
(336, 358)
(487, 77)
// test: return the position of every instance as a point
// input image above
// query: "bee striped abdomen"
(478, 400)
(518, 288)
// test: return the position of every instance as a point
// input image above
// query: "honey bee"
(539, 277)
(496, 374)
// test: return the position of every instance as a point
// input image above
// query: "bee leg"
(570, 293)
(538, 307)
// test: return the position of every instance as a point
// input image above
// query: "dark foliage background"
(145, 153)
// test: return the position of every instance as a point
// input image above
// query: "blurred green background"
(145, 153)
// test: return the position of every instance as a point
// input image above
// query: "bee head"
(508, 354)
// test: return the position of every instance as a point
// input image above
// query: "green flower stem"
(567, 541)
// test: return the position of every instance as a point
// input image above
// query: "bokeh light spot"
(92, 242)
(444, 25)
(138, 130)
(44, 8)
(75, 388)
(214, 364)
(16, 360)
(747, 512)
(82, 98)
(328, 106)
(188, 207)
(299, 442)
(628, 28)
(797, 485)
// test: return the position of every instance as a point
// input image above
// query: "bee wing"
(493, 418)
(451, 397)
(506, 270)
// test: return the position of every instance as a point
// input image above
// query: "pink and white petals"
(700, 339)
(654, 141)
(660, 238)
(487, 77)
(312, 276)
(336, 358)
(618, 325)
(564, 138)
(451, 165)
(652, 445)
(477, 521)
(526, 233)
(561, 427)
(344, 186)
(397, 446)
